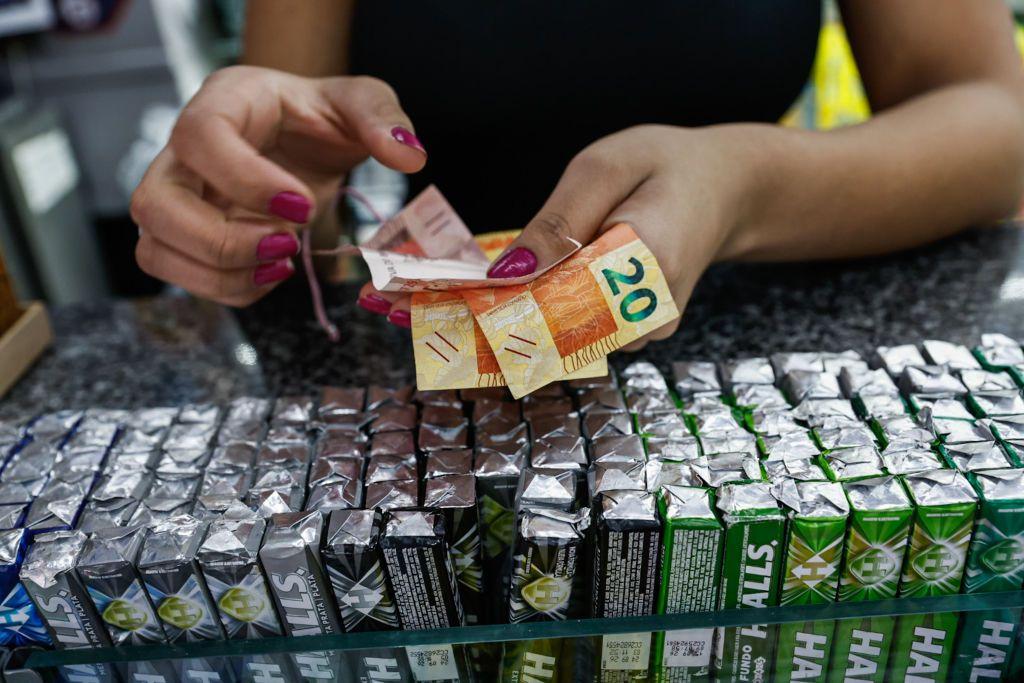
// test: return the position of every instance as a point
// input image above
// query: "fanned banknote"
(601, 298)
(451, 350)
(427, 250)
(426, 246)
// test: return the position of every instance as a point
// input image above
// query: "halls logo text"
(302, 600)
(993, 648)
(537, 668)
(757, 583)
(926, 653)
(862, 662)
(381, 669)
(809, 656)
(63, 614)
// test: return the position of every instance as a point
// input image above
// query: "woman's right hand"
(252, 157)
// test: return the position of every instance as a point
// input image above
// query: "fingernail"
(266, 273)
(374, 304)
(400, 318)
(516, 263)
(406, 137)
(277, 246)
(290, 206)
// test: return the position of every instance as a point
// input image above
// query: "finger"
(663, 225)
(663, 332)
(647, 209)
(166, 206)
(399, 314)
(219, 134)
(239, 287)
(370, 108)
(374, 300)
(593, 184)
(635, 346)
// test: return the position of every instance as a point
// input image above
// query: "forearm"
(303, 37)
(951, 158)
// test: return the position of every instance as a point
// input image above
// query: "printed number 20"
(642, 294)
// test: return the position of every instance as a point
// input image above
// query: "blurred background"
(89, 90)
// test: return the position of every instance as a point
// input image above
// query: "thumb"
(592, 185)
(370, 109)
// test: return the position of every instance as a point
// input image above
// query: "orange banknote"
(426, 246)
(451, 350)
(608, 294)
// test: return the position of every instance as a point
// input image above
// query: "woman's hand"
(682, 190)
(252, 158)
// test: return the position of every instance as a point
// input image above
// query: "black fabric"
(504, 93)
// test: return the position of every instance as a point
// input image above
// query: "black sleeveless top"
(504, 93)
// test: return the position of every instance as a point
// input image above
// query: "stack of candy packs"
(797, 479)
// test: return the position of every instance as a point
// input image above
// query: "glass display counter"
(950, 638)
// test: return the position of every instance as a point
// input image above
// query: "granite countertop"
(173, 349)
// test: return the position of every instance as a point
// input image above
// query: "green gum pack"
(876, 544)
(817, 514)
(751, 569)
(984, 645)
(995, 562)
(532, 660)
(1015, 667)
(945, 507)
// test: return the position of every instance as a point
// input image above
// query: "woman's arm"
(944, 150)
(302, 37)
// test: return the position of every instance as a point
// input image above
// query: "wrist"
(753, 158)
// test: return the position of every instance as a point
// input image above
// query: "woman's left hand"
(682, 190)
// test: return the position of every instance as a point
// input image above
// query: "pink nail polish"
(277, 246)
(400, 318)
(374, 304)
(406, 137)
(266, 273)
(290, 206)
(516, 263)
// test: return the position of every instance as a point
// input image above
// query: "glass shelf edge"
(534, 630)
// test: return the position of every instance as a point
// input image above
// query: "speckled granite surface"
(173, 349)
